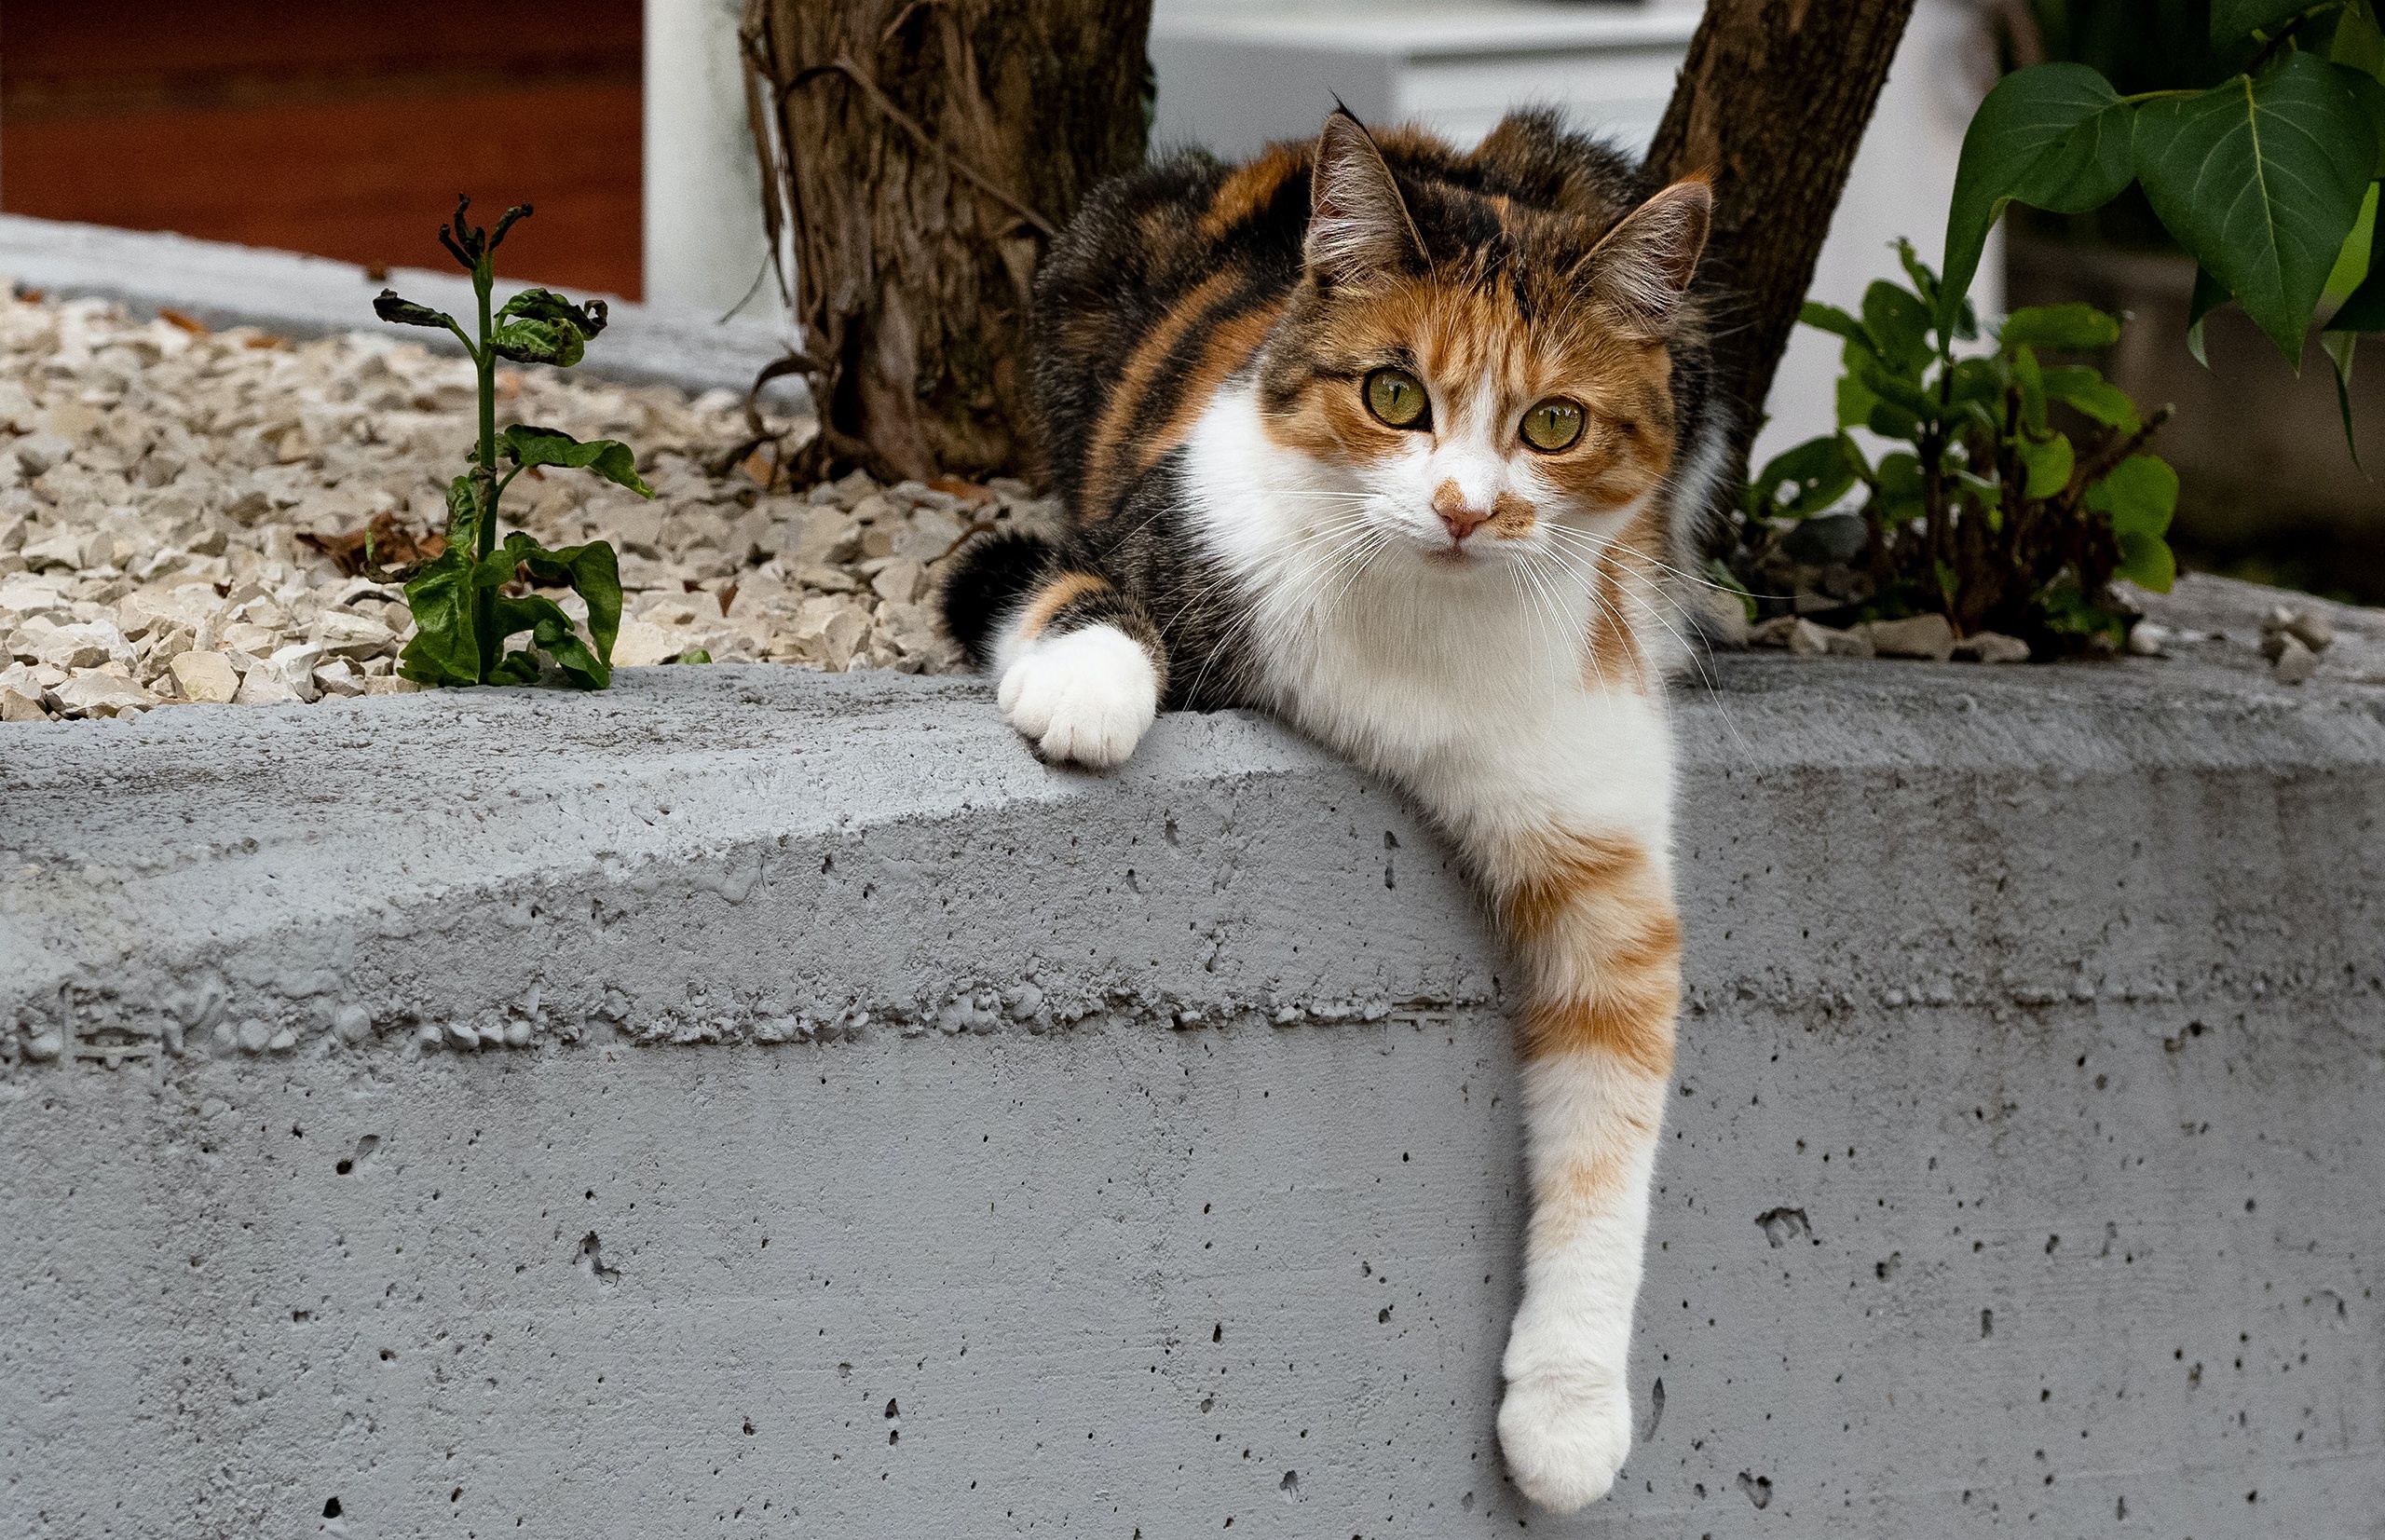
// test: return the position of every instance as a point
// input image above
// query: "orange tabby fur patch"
(1597, 928)
(1056, 595)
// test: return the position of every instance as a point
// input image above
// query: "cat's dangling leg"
(1082, 668)
(1590, 917)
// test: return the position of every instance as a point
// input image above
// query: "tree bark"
(921, 153)
(1772, 102)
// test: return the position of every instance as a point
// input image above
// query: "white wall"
(704, 242)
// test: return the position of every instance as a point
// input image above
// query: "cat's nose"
(1461, 522)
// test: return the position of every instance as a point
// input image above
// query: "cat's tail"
(987, 581)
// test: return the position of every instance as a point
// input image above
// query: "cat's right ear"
(1358, 225)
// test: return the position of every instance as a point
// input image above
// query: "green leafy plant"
(1989, 511)
(2268, 179)
(478, 593)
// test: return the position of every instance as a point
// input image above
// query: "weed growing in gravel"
(1986, 511)
(468, 601)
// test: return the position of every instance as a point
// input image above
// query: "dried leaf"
(381, 549)
(968, 492)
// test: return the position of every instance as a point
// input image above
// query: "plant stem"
(484, 487)
(486, 475)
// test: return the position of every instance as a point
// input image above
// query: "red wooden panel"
(338, 130)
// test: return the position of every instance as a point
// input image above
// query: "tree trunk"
(921, 153)
(1772, 103)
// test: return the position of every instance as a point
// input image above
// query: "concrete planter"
(870, 1132)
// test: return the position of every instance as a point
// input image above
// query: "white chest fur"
(1471, 685)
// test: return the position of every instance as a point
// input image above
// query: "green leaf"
(551, 632)
(2357, 42)
(591, 570)
(2064, 328)
(2146, 561)
(1903, 391)
(1989, 495)
(1899, 324)
(693, 655)
(2067, 609)
(2261, 180)
(2139, 494)
(463, 516)
(2089, 393)
(2339, 346)
(1891, 421)
(405, 312)
(2053, 136)
(1813, 475)
(1855, 401)
(2209, 296)
(2234, 21)
(1831, 319)
(2048, 462)
(1978, 379)
(2364, 309)
(445, 650)
(1924, 282)
(538, 342)
(540, 326)
(1728, 580)
(2352, 263)
(1898, 477)
(2032, 381)
(545, 305)
(610, 458)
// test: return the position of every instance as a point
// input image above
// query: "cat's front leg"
(1082, 671)
(1590, 917)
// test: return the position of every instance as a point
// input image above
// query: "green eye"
(1398, 399)
(1553, 424)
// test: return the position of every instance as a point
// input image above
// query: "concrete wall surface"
(866, 1131)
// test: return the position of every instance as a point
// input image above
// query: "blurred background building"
(345, 131)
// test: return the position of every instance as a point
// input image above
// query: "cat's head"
(1482, 375)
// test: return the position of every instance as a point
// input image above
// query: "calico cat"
(1395, 444)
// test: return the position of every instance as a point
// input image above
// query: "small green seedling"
(1985, 512)
(467, 602)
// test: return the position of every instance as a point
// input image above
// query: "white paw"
(1087, 696)
(1566, 1433)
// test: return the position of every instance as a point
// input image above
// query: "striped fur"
(1483, 622)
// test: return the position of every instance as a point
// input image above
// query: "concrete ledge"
(307, 297)
(2018, 1180)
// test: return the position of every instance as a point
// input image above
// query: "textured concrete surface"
(874, 1133)
(308, 297)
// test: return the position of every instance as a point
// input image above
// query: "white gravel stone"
(2294, 663)
(96, 693)
(1992, 647)
(339, 677)
(261, 686)
(205, 676)
(1930, 637)
(155, 484)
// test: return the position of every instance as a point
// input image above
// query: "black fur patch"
(987, 580)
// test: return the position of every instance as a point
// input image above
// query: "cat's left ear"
(1358, 225)
(1640, 271)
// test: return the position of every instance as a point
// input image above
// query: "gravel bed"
(155, 480)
